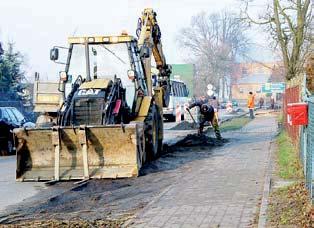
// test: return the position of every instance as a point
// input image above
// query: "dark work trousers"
(214, 123)
(251, 113)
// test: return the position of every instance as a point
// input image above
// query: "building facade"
(250, 77)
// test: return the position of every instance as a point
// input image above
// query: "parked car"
(235, 103)
(10, 118)
(223, 104)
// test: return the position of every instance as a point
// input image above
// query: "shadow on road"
(105, 198)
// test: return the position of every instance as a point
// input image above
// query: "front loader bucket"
(65, 153)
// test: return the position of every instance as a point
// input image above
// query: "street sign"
(278, 87)
(210, 92)
(210, 87)
(273, 87)
(268, 86)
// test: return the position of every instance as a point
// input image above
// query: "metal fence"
(302, 136)
(307, 148)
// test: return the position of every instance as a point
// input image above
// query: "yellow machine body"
(98, 151)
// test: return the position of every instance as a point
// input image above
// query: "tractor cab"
(113, 65)
(103, 57)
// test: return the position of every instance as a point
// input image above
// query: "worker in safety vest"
(251, 104)
(207, 114)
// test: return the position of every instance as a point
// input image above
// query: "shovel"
(195, 125)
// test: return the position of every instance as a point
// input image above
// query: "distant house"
(241, 70)
(251, 83)
(250, 77)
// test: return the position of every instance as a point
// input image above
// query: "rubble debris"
(184, 125)
(199, 140)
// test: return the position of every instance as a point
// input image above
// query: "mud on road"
(109, 203)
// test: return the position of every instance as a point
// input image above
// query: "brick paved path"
(223, 190)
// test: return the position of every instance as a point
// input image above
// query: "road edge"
(262, 218)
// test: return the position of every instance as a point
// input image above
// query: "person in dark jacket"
(207, 114)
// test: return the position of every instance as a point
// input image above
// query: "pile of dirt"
(184, 125)
(199, 140)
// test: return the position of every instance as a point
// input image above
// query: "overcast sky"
(36, 25)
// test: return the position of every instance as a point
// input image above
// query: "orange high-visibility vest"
(250, 101)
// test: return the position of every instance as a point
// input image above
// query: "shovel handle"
(191, 115)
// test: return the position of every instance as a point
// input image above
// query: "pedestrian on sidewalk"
(207, 115)
(251, 105)
(261, 102)
(272, 102)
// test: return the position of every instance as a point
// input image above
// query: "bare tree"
(287, 21)
(213, 42)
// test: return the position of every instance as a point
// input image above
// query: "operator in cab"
(207, 115)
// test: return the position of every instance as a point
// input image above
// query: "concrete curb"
(262, 218)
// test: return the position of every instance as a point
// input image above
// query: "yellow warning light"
(124, 33)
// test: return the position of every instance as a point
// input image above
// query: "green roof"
(186, 72)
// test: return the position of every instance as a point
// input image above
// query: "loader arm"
(149, 40)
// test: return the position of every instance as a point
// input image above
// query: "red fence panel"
(291, 95)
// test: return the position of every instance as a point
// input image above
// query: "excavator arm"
(149, 42)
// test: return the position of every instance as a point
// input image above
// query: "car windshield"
(19, 116)
(106, 61)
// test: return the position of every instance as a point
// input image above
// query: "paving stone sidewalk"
(223, 190)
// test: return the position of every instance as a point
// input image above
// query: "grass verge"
(234, 124)
(289, 206)
(288, 160)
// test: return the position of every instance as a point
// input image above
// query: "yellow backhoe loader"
(110, 122)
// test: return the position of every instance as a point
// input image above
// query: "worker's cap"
(205, 108)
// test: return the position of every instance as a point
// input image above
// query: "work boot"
(218, 135)
(217, 131)
(200, 131)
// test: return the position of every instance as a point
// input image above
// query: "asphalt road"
(13, 192)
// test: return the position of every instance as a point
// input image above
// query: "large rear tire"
(152, 128)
